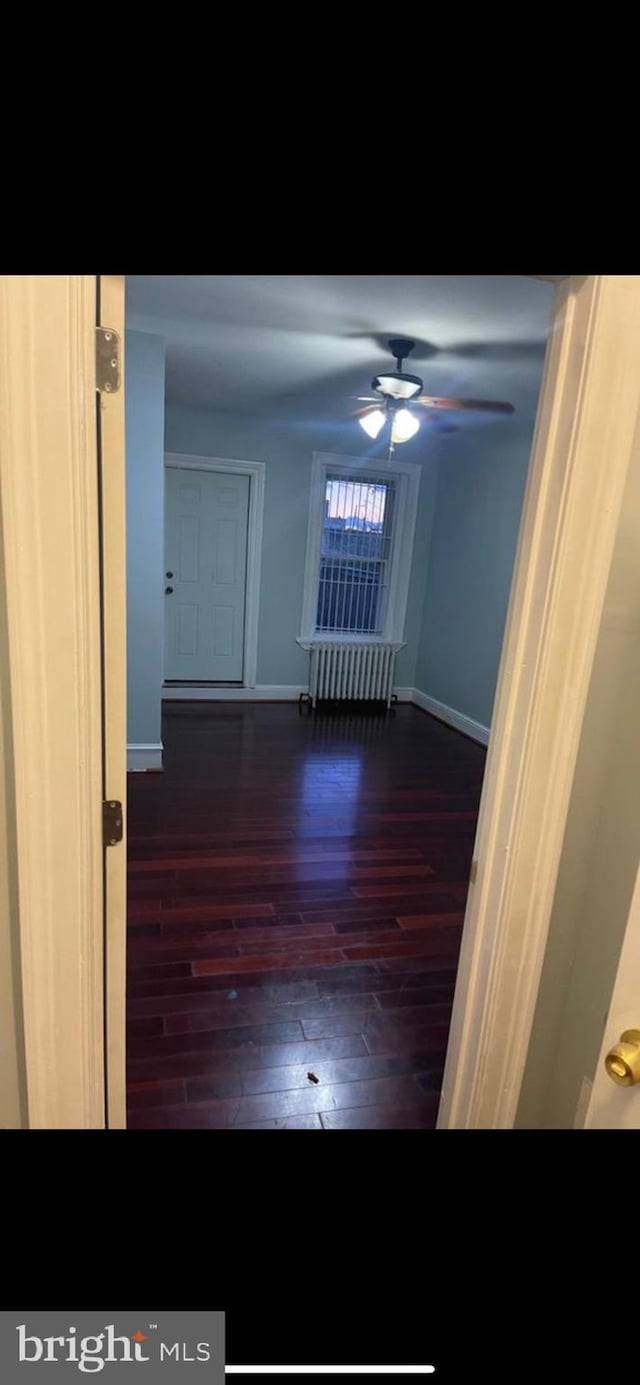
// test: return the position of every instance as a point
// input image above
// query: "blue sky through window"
(356, 500)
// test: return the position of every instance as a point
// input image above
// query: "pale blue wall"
(144, 404)
(470, 504)
(288, 456)
(481, 485)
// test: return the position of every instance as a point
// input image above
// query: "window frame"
(407, 478)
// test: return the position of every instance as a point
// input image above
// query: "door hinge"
(111, 822)
(107, 360)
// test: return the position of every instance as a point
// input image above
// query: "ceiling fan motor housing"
(396, 385)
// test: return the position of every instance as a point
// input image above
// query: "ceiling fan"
(399, 393)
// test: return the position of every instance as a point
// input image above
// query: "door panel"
(187, 629)
(206, 519)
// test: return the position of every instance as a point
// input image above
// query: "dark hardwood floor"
(296, 895)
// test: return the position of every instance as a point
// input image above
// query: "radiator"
(341, 672)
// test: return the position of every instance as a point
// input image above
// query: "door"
(585, 447)
(206, 520)
(606, 969)
(615, 1097)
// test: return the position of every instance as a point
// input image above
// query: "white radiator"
(352, 672)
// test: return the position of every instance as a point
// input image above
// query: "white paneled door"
(614, 1103)
(206, 518)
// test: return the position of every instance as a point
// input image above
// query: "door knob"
(623, 1060)
(168, 574)
(168, 591)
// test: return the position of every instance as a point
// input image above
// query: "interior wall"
(144, 405)
(288, 455)
(471, 494)
(600, 855)
(13, 1089)
(480, 491)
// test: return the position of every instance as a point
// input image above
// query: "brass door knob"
(623, 1060)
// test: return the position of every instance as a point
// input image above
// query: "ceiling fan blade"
(366, 398)
(487, 406)
(523, 349)
(368, 409)
(440, 423)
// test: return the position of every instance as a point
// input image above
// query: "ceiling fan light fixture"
(397, 386)
(372, 422)
(405, 426)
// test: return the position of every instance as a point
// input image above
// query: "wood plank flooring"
(296, 895)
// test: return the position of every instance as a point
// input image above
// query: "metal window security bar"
(355, 555)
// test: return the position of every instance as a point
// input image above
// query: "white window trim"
(256, 473)
(407, 475)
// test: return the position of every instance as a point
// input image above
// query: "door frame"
(48, 480)
(112, 488)
(580, 458)
(49, 486)
(256, 471)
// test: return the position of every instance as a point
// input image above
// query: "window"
(359, 549)
(354, 555)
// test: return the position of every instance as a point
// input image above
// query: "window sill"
(329, 637)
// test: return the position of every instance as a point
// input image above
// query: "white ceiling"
(296, 348)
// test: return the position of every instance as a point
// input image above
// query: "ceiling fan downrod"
(400, 348)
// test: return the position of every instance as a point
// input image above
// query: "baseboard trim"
(144, 757)
(474, 729)
(264, 692)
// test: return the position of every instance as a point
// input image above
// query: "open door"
(615, 1096)
(585, 448)
(110, 302)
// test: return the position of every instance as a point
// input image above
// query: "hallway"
(296, 898)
